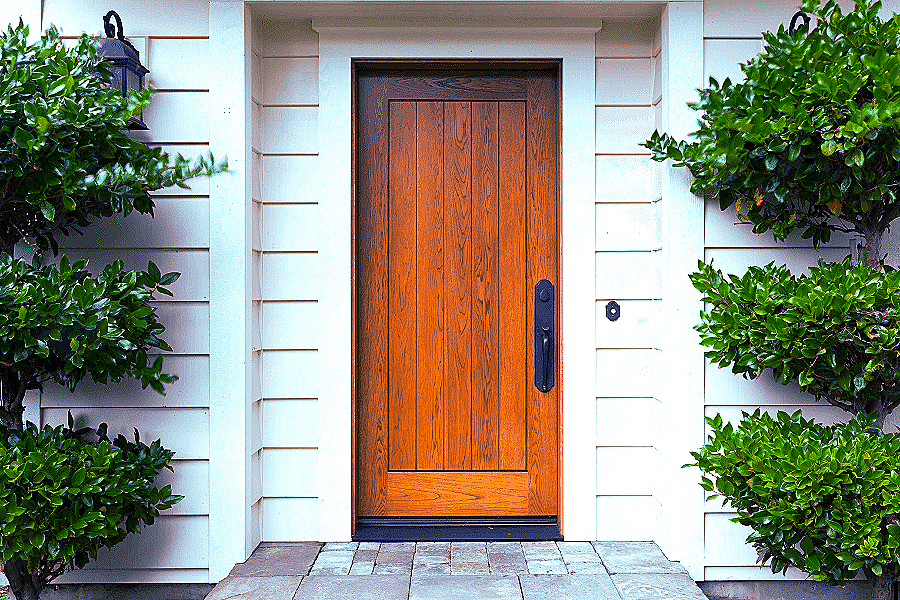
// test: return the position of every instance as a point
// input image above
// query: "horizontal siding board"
(193, 264)
(627, 471)
(291, 276)
(172, 542)
(621, 128)
(725, 18)
(141, 18)
(290, 325)
(187, 326)
(256, 189)
(291, 227)
(290, 80)
(288, 37)
(256, 478)
(183, 430)
(256, 226)
(630, 226)
(178, 64)
(820, 413)
(724, 541)
(290, 179)
(256, 375)
(623, 81)
(256, 126)
(290, 423)
(290, 130)
(257, 275)
(756, 573)
(177, 223)
(631, 38)
(290, 472)
(188, 478)
(627, 275)
(722, 58)
(628, 422)
(289, 519)
(725, 388)
(724, 230)
(191, 389)
(798, 260)
(624, 178)
(288, 374)
(627, 373)
(176, 117)
(256, 323)
(636, 327)
(627, 518)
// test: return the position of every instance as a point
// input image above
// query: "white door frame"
(340, 42)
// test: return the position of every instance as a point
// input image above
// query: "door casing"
(370, 65)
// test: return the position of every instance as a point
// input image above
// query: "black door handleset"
(544, 356)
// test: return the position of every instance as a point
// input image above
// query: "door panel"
(457, 221)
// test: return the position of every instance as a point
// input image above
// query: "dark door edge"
(458, 529)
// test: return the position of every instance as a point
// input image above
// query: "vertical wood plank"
(513, 300)
(485, 325)
(541, 192)
(371, 316)
(402, 294)
(457, 284)
(430, 282)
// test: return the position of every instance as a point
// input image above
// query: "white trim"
(576, 47)
(681, 367)
(230, 340)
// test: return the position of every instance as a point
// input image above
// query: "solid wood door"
(456, 223)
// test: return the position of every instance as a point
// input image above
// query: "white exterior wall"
(172, 37)
(629, 465)
(633, 487)
(286, 115)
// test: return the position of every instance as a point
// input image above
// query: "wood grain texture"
(371, 290)
(485, 324)
(402, 292)
(430, 419)
(541, 195)
(457, 284)
(451, 493)
(471, 225)
(512, 303)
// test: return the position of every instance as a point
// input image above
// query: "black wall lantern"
(128, 72)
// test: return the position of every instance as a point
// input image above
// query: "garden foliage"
(65, 493)
(836, 331)
(823, 499)
(810, 140)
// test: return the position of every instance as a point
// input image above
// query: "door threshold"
(525, 528)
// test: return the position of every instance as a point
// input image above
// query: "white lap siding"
(287, 108)
(627, 256)
(172, 37)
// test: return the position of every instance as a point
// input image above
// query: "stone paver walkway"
(458, 571)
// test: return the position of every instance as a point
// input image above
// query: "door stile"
(541, 232)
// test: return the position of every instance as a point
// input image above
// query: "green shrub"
(835, 331)
(825, 500)
(809, 140)
(64, 496)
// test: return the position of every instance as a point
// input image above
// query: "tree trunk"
(872, 247)
(21, 582)
(883, 587)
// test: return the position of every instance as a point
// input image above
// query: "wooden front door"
(456, 216)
